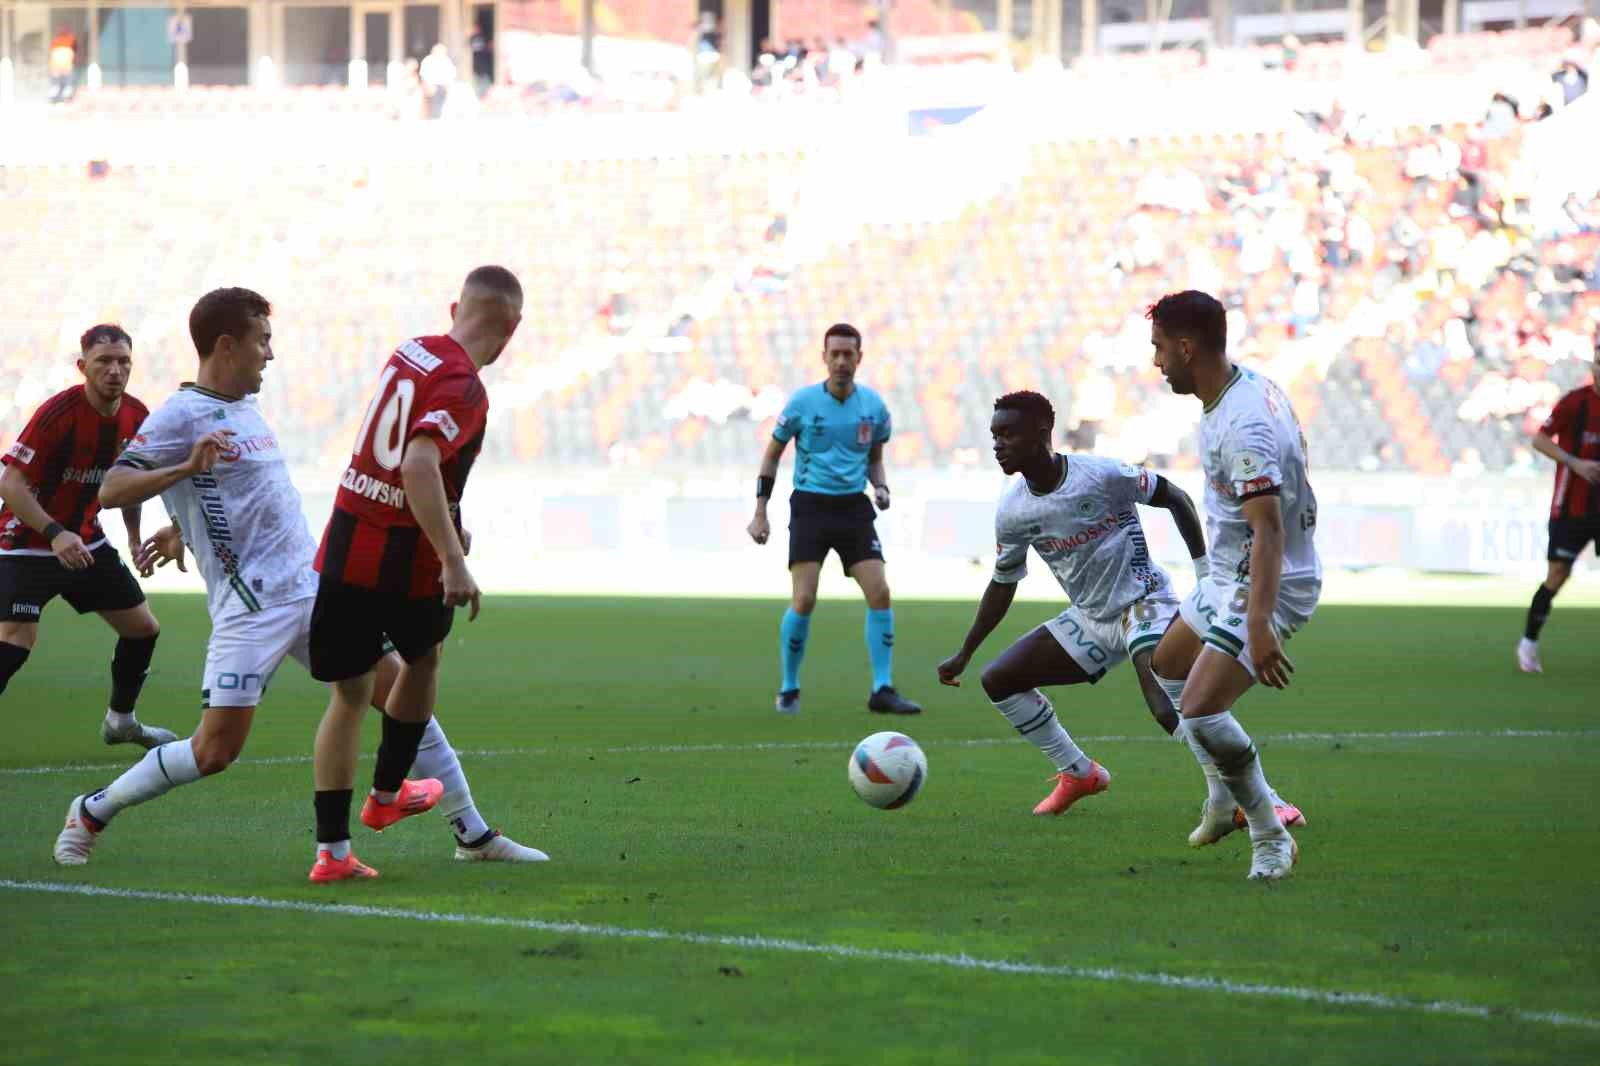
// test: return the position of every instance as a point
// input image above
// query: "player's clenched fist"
(208, 449)
(951, 669)
(759, 529)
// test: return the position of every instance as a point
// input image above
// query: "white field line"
(841, 745)
(962, 961)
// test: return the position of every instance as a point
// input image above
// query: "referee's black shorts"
(819, 523)
(1569, 536)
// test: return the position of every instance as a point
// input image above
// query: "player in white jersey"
(1079, 513)
(217, 466)
(1265, 575)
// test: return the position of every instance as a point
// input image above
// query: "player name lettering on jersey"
(373, 489)
(418, 356)
(22, 451)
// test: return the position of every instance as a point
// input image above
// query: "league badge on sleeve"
(864, 431)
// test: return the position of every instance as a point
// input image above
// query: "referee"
(839, 429)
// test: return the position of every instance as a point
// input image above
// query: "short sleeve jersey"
(243, 520)
(64, 452)
(833, 439)
(1087, 531)
(429, 387)
(1251, 445)
(1574, 424)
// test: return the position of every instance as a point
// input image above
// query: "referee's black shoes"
(887, 701)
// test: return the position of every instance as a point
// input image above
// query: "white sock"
(118, 720)
(338, 850)
(384, 798)
(1173, 689)
(1216, 792)
(437, 759)
(1033, 716)
(160, 771)
(1240, 769)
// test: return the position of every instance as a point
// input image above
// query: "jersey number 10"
(389, 437)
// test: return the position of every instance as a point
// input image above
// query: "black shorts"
(29, 582)
(352, 628)
(1569, 536)
(819, 523)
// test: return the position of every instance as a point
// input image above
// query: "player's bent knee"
(213, 757)
(22, 634)
(998, 682)
(803, 603)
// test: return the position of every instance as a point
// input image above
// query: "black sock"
(130, 665)
(396, 752)
(12, 656)
(333, 814)
(1538, 611)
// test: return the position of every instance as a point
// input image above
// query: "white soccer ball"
(887, 770)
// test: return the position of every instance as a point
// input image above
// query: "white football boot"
(76, 840)
(1272, 857)
(1528, 657)
(1215, 823)
(499, 848)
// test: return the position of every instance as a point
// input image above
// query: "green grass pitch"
(635, 741)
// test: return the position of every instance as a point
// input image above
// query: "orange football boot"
(414, 797)
(328, 869)
(1070, 790)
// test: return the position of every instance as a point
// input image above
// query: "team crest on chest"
(1086, 508)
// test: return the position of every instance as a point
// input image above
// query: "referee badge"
(864, 431)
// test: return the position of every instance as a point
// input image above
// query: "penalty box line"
(841, 745)
(845, 952)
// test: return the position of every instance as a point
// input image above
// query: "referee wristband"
(764, 487)
(54, 530)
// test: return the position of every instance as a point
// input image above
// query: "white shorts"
(1099, 644)
(1216, 612)
(246, 650)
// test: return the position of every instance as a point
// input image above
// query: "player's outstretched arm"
(129, 486)
(759, 528)
(991, 610)
(1588, 469)
(18, 495)
(1171, 498)
(1265, 517)
(425, 495)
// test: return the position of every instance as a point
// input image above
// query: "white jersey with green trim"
(1087, 531)
(242, 521)
(1251, 445)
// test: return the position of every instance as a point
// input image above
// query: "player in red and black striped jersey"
(51, 541)
(393, 557)
(1570, 436)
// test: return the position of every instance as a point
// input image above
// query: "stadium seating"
(651, 278)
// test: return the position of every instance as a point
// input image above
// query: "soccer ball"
(887, 770)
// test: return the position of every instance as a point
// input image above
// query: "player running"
(1078, 513)
(216, 463)
(1265, 577)
(51, 541)
(1570, 436)
(839, 429)
(393, 564)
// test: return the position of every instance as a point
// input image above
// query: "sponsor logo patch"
(446, 424)
(21, 451)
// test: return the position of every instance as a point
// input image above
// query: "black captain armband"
(54, 530)
(764, 487)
